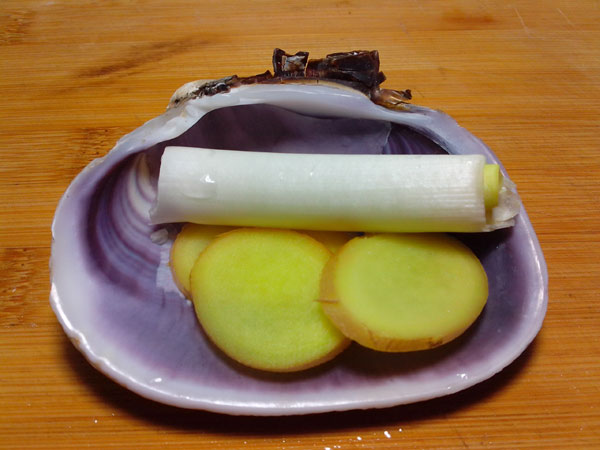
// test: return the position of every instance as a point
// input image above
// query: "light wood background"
(522, 75)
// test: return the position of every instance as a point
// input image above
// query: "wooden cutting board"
(524, 76)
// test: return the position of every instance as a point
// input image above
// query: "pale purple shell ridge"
(113, 294)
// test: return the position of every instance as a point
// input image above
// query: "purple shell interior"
(138, 309)
(158, 326)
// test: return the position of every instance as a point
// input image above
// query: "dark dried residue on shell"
(358, 70)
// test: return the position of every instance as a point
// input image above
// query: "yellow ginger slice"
(189, 243)
(193, 239)
(255, 292)
(403, 292)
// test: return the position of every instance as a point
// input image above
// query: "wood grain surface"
(523, 75)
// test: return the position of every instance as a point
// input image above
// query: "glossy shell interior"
(113, 293)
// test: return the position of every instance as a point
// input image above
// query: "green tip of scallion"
(492, 182)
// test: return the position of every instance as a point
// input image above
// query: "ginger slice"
(189, 243)
(193, 239)
(255, 292)
(403, 292)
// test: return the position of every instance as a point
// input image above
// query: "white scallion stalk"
(371, 193)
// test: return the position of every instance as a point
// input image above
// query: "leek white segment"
(371, 193)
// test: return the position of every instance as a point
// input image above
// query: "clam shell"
(113, 294)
